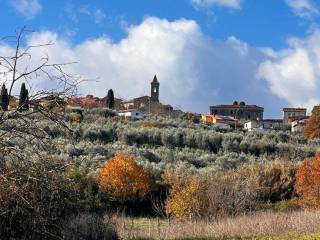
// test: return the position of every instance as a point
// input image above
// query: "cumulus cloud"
(28, 8)
(194, 71)
(235, 4)
(293, 74)
(303, 8)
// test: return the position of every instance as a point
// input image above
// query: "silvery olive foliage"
(159, 143)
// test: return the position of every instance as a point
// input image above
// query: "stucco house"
(132, 113)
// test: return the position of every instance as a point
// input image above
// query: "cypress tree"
(110, 99)
(24, 98)
(4, 99)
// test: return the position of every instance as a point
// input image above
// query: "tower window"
(154, 90)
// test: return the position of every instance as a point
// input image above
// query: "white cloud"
(97, 14)
(240, 46)
(28, 8)
(194, 71)
(294, 73)
(226, 3)
(303, 8)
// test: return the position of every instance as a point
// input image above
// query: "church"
(150, 104)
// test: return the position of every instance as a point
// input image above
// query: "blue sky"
(264, 52)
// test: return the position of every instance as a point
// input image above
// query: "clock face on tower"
(155, 89)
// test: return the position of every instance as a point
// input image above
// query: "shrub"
(281, 206)
(231, 193)
(122, 179)
(151, 124)
(74, 118)
(276, 181)
(187, 197)
(308, 183)
(86, 184)
(88, 226)
(35, 198)
(210, 196)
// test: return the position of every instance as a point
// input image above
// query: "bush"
(35, 198)
(210, 196)
(308, 183)
(187, 197)
(281, 206)
(87, 226)
(231, 193)
(86, 184)
(276, 181)
(151, 124)
(122, 179)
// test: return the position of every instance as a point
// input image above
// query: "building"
(298, 125)
(290, 113)
(272, 124)
(51, 101)
(88, 101)
(266, 124)
(228, 120)
(132, 113)
(150, 104)
(251, 125)
(239, 111)
(13, 103)
(155, 85)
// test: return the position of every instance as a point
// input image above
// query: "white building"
(251, 125)
(298, 125)
(272, 124)
(132, 113)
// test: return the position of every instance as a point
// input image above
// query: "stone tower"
(155, 89)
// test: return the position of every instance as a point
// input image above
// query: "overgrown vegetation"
(172, 168)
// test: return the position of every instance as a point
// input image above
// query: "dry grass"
(260, 224)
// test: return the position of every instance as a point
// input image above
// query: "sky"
(204, 52)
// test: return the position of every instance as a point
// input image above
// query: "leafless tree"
(21, 66)
(35, 196)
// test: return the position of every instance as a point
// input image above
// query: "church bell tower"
(155, 89)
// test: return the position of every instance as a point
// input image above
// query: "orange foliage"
(124, 180)
(312, 129)
(308, 183)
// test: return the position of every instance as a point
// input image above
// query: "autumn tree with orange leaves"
(308, 183)
(312, 129)
(122, 179)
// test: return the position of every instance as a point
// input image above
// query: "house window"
(137, 114)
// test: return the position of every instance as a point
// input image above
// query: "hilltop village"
(237, 116)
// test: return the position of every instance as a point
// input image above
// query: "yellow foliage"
(151, 124)
(187, 198)
(124, 180)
